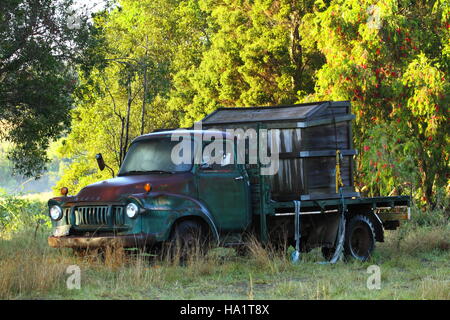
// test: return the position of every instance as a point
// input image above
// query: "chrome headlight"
(56, 212)
(132, 210)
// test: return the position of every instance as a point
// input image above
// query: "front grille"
(118, 215)
(98, 215)
(66, 215)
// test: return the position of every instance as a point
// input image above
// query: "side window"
(219, 155)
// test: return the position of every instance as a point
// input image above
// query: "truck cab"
(151, 195)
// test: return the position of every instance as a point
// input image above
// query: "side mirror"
(100, 161)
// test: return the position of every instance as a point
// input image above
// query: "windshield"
(152, 155)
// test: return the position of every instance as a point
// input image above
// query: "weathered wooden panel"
(307, 164)
(321, 173)
(326, 137)
(288, 183)
(262, 114)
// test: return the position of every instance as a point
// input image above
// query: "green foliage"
(426, 219)
(256, 56)
(390, 59)
(19, 215)
(37, 48)
(125, 93)
(386, 165)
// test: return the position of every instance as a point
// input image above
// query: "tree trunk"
(427, 179)
(144, 101)
(122, 129)
(296, 52)
(127, 123)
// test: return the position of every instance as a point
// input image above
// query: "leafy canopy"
(38, 47)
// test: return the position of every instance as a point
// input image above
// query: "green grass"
(414, 262)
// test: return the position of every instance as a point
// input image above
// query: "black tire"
(359, 238)
(188, 237)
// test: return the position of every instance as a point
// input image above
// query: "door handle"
(239, 178)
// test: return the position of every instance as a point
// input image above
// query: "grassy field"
(414, 263)
(42, 196)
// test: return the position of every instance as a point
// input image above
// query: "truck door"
(224, 188)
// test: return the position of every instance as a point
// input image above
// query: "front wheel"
(188, 239)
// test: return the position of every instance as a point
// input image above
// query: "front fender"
(163, 209)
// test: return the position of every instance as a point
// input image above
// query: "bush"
(427, 231)
(435, 218)
(19, 214)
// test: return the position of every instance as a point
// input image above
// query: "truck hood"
(119, 188)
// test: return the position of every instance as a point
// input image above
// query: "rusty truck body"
(309, 201)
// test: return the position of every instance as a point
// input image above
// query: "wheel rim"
(360, 242)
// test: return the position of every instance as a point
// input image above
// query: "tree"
(124, 94)
(391, 58)
(38, 47)
(255, 55)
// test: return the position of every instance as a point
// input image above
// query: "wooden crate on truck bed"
(308, 136)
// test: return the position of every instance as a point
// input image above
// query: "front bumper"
(126, 241)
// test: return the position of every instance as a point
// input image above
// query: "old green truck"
(284, 174)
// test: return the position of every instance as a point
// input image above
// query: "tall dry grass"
(267, 257)
(425, 232)
(27, 268)
(30, 274)
(432, 289)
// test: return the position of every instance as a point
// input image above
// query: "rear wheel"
(359, 241)
(359, 238)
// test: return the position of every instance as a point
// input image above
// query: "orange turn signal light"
(64, 191)
(147, 187)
